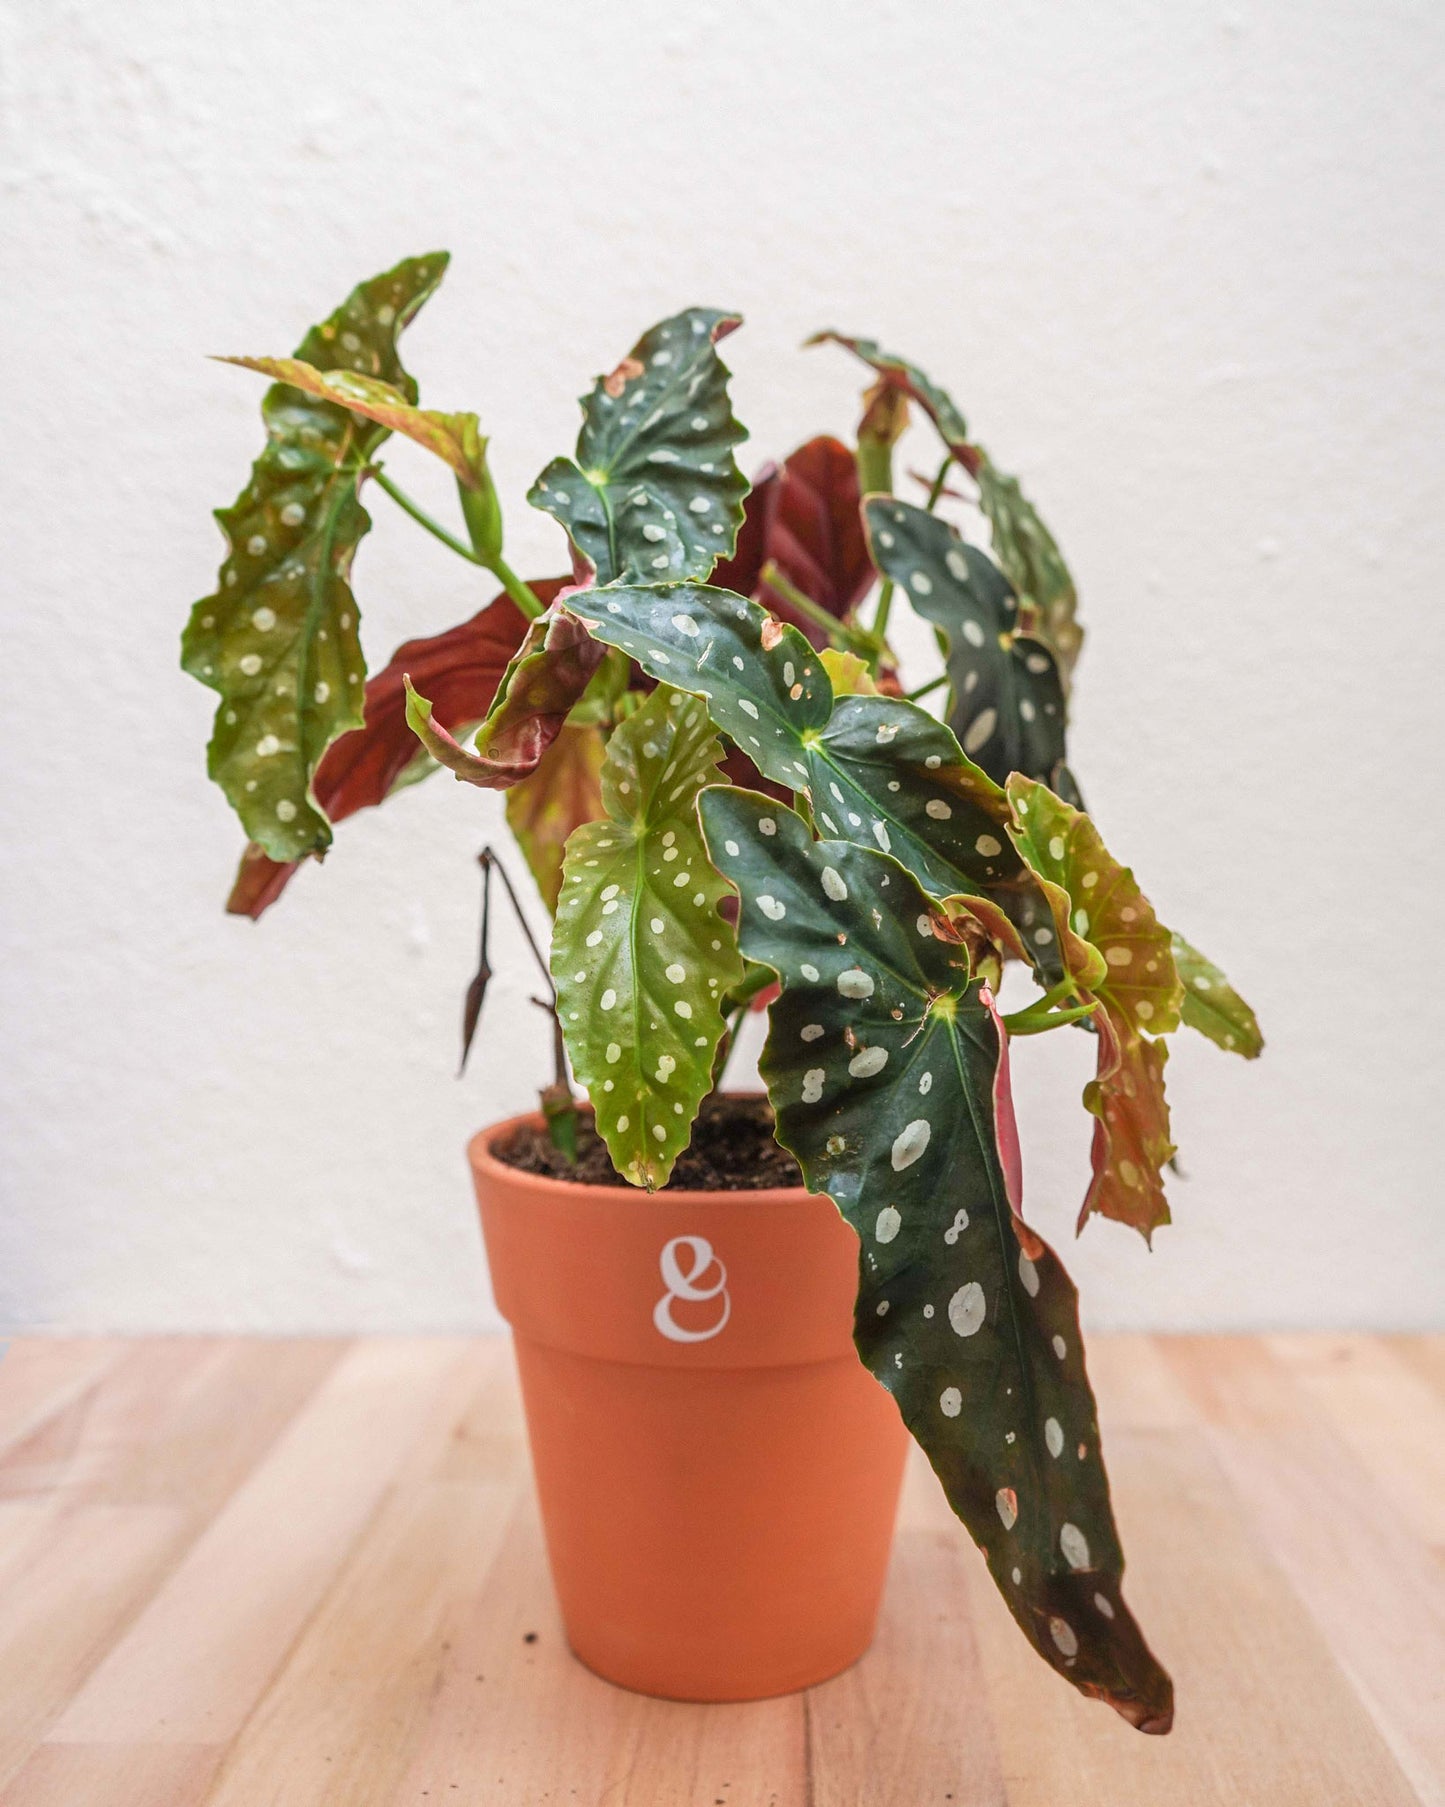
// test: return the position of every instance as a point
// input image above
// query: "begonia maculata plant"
(725, 792)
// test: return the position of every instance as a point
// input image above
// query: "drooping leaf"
(1007, 699)
(564, 792)
(1119, 954)
(548, 674)
(803, 517)
(884, 1066)
(640, 956)
(1113, 941)
(1212, 1006)
(878, 769)
(278, 639)
(1131, 1146)
(1022, 544)
(453, 438)
(459, 670)
(655, 491)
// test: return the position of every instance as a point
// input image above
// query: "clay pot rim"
(479, 1152)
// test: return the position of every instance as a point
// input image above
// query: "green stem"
(521, 593)
(1034, 1022)
(924, 690)
(885, 607)
(938, 482)
(421, 517)
(875, 466)
(837, 631)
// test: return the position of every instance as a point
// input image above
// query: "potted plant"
(727, 797)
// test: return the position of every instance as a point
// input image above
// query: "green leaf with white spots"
(1030, 555)
(1114, 944)
(884, 1066)
(1212, 1006)
(278, 639)
(640, 956)
(1007, 698)
(452, 437)
(655, 491)
(1119, 954)
(878, 769)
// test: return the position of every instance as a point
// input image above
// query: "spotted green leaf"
(1119, 954)
(884, 1067)
(640, 955)
(655, 491)
(1022, 544)
(547, 676)
(878, 769)
(452, 437)
(278, 639)
(1212, 1005)
(1007, 699)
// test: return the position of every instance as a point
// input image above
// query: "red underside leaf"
(459, 670)
(804, 515)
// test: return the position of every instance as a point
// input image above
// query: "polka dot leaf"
(878, 769)
(279, 638)
(655, 492)
(1007, 698)
(1119, 953)
(640, 956)
(1022, 544)
(885, 1066)
(453, 438)
(545, 679)
(1212, 1006)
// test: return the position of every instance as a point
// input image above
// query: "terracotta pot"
(718, 1473)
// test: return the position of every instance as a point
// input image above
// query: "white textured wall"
(1183, 266)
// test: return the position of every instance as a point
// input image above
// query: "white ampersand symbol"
(685, 1286)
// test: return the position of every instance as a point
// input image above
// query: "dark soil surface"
(732, 1151)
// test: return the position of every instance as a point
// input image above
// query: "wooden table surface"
(289, 1574)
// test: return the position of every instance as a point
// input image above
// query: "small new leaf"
(278, 639)
(1212, 1006)
(452, 437)
(1007, 698)
(640, 956)
(655, 491)
(883, 1066)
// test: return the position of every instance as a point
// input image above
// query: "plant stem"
(521, 593)
(885, 606)
(924, 689)
(838, 632)
(938, 482)
(1026, 1022)
(421, 517)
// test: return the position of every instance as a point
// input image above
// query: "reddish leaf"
(1131, 1145)
(805, 517)
(564, 792)
(459, 669)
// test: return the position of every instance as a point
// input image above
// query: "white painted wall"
(1182, 264)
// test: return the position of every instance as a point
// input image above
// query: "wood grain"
(311, 1574)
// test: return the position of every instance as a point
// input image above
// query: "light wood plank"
(1390, 1416)
(887, 1718)
(522, 1721)
(113, 1775)
(66, 1605)
(1264, 1713)
(1368, 1580)
(42, 1375)
(192, 1667)
(1425, 1354)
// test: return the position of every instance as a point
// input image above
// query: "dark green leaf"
(655, 491)
(878, 769)
(279, 639)
(1212, 1005)
(883, 1064)
(1007, 706)
(640, 955)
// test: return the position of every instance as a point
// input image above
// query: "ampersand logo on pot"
(693, 1275)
